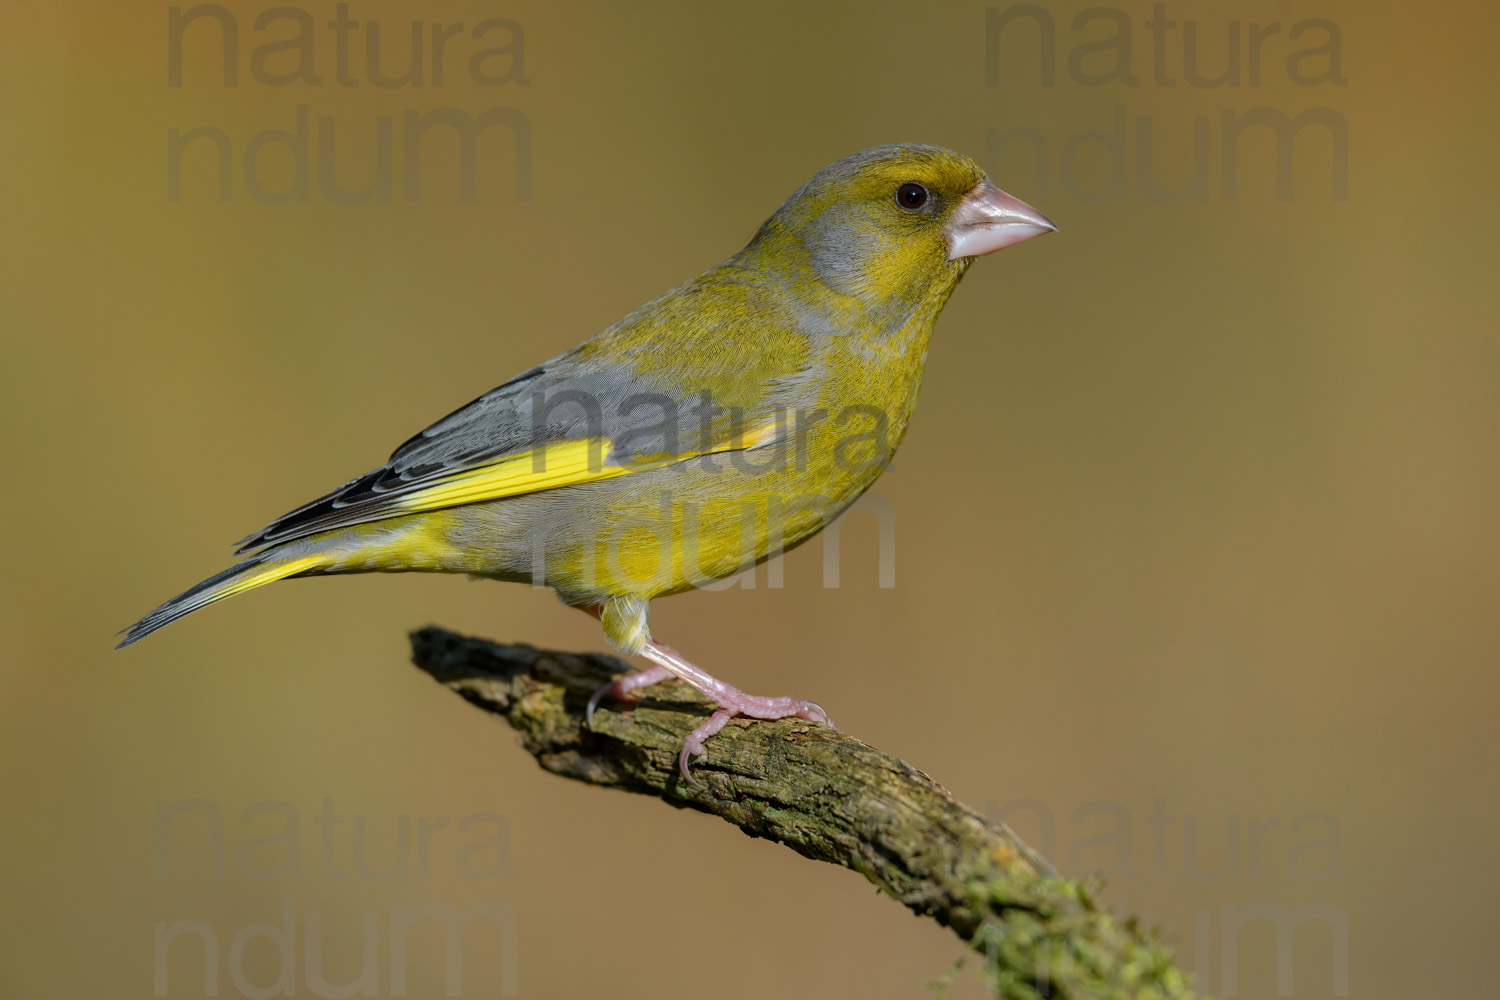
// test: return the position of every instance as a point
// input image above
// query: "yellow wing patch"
(565, 463)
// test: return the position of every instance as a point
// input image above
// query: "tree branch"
(829, 797)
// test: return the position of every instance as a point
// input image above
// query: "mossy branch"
(829, 797)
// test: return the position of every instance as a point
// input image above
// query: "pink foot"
(730, 701)
(745, 704)
(621, 687)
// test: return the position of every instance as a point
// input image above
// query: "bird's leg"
(728, 699)
(621, 687)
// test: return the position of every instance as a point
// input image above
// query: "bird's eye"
(911, 195)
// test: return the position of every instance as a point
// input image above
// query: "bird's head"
(894, 223)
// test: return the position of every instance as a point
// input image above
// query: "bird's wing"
(572, 420)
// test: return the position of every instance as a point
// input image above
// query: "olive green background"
(1199, 504)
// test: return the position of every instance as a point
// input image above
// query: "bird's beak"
(988, 219)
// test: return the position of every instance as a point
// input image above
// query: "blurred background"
(1196, 535)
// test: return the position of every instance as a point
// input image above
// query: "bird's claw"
(594, 700)
(822, 715)
(744, 704)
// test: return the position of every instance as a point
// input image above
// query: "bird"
(720, 424)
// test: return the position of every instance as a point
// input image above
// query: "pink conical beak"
(988, 219)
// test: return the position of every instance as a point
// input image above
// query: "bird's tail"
(246, 575)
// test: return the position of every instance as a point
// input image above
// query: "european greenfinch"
(714, 427)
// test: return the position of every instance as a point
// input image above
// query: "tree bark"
(828, 797)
